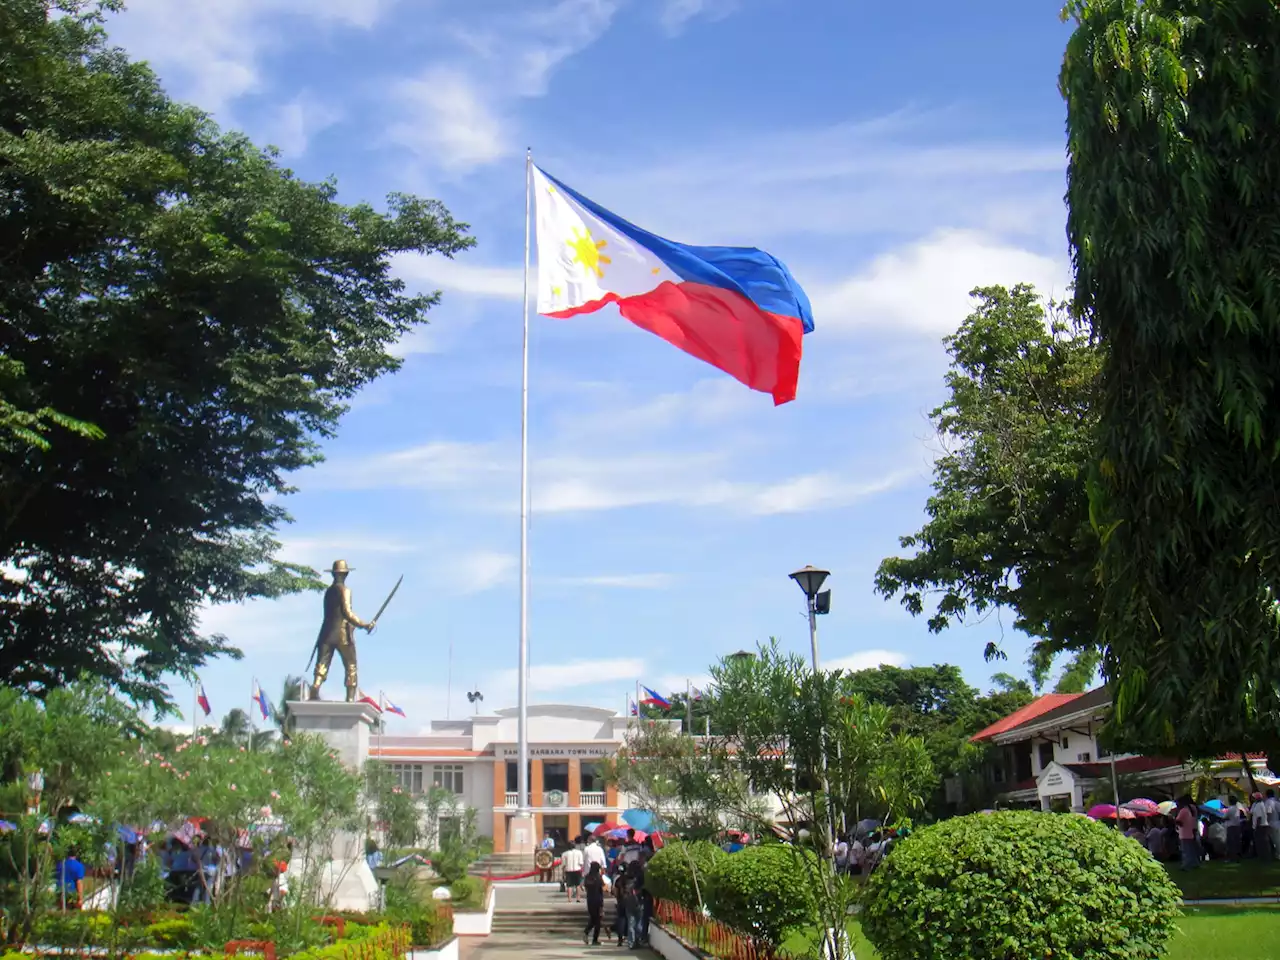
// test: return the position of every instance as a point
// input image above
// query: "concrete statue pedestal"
(521, 835)
(345, 880)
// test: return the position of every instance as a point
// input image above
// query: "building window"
(1103, 752)
(1082, 758)
(591, 780)
(555, 776)
(1065, 743)
(513, 776)
(408, 776)
(1046, 755)
(447, 775)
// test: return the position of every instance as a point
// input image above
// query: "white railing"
(591, 800)
(512, 799)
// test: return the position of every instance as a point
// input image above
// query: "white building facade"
(476, 758)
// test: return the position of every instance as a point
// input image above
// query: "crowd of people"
(1194, 833)
(593, 871)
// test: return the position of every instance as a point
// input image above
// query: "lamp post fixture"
(810, 579)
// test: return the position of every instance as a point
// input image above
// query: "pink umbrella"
(1142, 807)
(1107, 811)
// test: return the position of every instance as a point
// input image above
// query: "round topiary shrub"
(669, 874)
(1017, 884)
(764, 891)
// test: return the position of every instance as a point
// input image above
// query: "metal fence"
(712, 936)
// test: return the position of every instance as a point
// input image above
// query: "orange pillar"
(610, 798)
(499, 801)
(535, 784)
(575, 826)
(575, 784)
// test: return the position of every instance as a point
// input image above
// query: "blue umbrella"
(1214, 804)
(6, 826)
(639, 819)
(127, 834)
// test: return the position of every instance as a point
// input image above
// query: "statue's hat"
(340, 566)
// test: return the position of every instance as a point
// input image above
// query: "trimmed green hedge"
(669, 874)
(764, 891)
(1019, 884)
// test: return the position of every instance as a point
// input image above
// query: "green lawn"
(1204, 933)
(1219, 880)
(1226, 933)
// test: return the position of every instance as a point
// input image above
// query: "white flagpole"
(195, 708)
(448, 695)
(522, 732)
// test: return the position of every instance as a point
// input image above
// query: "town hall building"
(476, 758)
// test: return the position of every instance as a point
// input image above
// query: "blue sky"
(894, 156)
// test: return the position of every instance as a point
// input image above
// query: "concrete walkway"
(534, 921)
(541, 946)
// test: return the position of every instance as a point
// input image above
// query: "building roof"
(1129, 765)
(1088, 702)
(1032, 711)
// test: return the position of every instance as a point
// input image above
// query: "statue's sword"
(374, 622)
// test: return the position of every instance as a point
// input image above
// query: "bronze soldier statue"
(338, 632)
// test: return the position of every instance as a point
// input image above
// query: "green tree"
(1174, 222)
(206, 310)
(932, 703)
(1008, 519)
(679, 709)
(21, 429)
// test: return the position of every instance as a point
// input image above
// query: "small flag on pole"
(203, 700)
(736, 308)
(652, 699)
(261, 699)
(631, 705)
(697, 694)
(365, 698)
(390, 707)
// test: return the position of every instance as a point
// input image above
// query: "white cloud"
(476, 571)
(924, 288)
(436, 272)
(480, 475)
(438, 465)
(286, 623)
(458, 114)
(901, 174)
(550, 677)
(676, 14)
(210, 51)
(621, 581)
(297, 121)
(579, 484)
(676, 683)
(318, 550)
(866, 660)
(445, 118)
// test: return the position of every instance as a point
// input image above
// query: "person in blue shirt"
(69, 878)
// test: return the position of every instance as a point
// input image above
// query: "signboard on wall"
(552, 751)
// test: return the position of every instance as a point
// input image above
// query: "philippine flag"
(736, 308)
(263, 704)
(697, 694)
(365, 698)
(635, 711)
(203, 700)
(652, 699)
(390, 707)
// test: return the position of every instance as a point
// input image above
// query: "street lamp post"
(811, 580)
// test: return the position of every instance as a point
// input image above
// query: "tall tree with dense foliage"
(1008, 521)
(205, 310)
(1174, 222)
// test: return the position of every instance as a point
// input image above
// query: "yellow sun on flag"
(586, 251)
